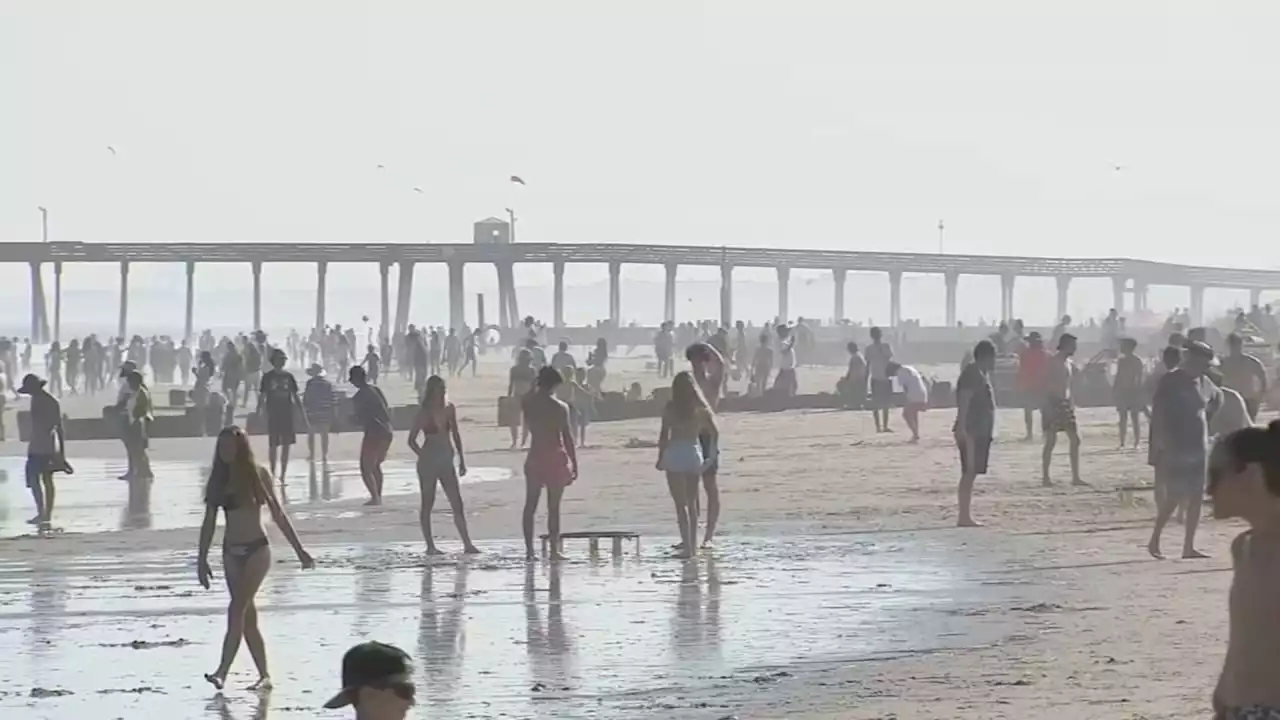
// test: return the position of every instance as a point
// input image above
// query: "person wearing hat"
(278, 395)
(377, 681)
(317, 400)
(46, 448)
(1184, 404)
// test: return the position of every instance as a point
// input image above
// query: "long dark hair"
(237, 480)
(1255, 444)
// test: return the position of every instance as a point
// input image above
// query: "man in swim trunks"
(1128, 390)
(879, 354)
(1059, 413)
(552, 462)
(278, 395)
(975, 424)
(371, 414)
(1245, 374)
(708, 370)
(1184, 405)
(46, 448)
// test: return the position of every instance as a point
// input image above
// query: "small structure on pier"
(493, 231)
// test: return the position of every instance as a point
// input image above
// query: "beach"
(838, 587)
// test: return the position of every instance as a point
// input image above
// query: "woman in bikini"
(552, 462)
(437, 422)
(686, 448)
(239, 486)
(1244, 481)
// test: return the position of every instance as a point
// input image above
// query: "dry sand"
(1090, 626)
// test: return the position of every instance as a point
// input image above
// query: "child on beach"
(1244, 481)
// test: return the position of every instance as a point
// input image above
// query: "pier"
(1130, 278)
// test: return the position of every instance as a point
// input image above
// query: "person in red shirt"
(1033, 364)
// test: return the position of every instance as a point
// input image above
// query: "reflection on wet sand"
(220, 707)
(441, 640)
(137, 511)
(373, 589)
(550, 652)
(695, 627)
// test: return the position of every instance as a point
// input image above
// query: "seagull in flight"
(517, 180)
(1119, 168)
(381, 166)
(111, 150)
(418, 190)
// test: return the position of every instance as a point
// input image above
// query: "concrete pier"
(123, 327)
(322, 273)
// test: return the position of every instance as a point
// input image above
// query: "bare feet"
(1193, 554)
(35, 520)
(433, 550)
(264, 684)
(1046, 482)
(558, 557)
(215, 680)
(1153, 547)
(530, 556)
(968, 522)
(1080, 483)
(471, 550)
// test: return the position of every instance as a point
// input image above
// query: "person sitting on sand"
(686, 419)
(519, 383)
(1059, 413)
(239, 487)
(371, 413)
(377, 682)
(437, 422)
(552, 462)
(916, 395)
(1127, 390)
(1183, 406)
(1244, 482)
(975, 424)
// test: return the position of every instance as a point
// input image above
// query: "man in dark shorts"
(708, 370)
(46, 448)
(1059, 413)
(878, 355)
(377, 682)
(278, 395)
(975, 424)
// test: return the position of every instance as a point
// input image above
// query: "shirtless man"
(1245, 374)
(1059, 413)
(46, 448)
(878, 354)
(1128, 389)
(520, 382)
(708, 370)
(552, 462)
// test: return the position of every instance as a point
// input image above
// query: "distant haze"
(1138, 128)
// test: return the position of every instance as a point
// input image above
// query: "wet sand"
(839, 587)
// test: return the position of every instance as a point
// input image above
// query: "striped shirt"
(317, 398)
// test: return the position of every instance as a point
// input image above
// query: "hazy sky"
(840, 124)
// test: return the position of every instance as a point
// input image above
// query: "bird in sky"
(1119, 168)
(516, 179)
(417, 190)
(111, 150)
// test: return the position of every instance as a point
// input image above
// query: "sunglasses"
(403, 689)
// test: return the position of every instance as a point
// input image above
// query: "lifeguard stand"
(493, 231)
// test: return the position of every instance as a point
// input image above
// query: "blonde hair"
(687, 398)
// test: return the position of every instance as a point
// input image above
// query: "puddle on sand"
(95, 500)
(491, 636)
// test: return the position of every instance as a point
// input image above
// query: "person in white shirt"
(785, 384)
(916, 395)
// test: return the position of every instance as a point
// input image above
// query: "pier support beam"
(615, 294)
(257, 295)
(188, 325)
(1064, 285)
(838, 276)
(57, 301)
(508, 311)
(404, 293)
(1197, 305)
(784, 293)
(39, 314)
(669, 293)
(1139, 296)
(457, 295)
(726, 296)
(1118, 285)
(384, 305)
(1255, 297)
(322, 272)
(123, 325)
(1006, 297)
(953, 284)
(895, 298)
(557, 299)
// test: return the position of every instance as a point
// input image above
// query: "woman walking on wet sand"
(437, 422)
(240, 487)
(688, 425)
(552, 462)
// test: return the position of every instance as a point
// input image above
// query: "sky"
(841, 124)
